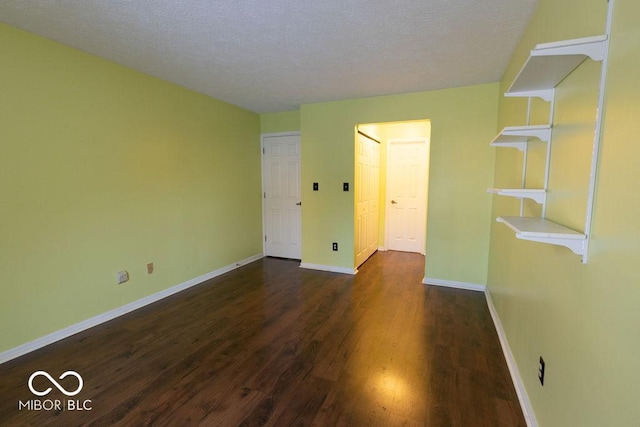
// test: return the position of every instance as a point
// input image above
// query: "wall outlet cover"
(122, 276)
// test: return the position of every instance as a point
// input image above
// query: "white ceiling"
(274, 55)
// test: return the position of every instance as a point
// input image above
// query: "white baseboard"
(117, 312)
(330, 268)
(521, 391)
(453, 284)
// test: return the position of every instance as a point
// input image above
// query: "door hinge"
(265, 237)
(263, 152)
(264, 195)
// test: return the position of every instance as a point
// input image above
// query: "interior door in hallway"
(281, 192)
(407, 195)
(367, 194)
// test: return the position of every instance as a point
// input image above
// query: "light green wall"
(463, 121)
(286, 121)
(103, 169)
(582, 319)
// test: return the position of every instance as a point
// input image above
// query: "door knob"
(393, 202)
(299, 204)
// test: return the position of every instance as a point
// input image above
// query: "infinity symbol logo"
(55, 383)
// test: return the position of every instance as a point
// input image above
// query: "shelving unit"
(519, 137)
(547, 66)
(545, 231)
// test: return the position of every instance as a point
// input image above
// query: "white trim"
(272, 134)
(38, 343)
(521, 391)
(330, 268)
(453, 284)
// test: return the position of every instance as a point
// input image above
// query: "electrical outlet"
(334, 246)
(541, 370)
(150, 268)
(315, 186)
(122, 276)
(345, 186)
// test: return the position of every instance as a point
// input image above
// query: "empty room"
(346, 213)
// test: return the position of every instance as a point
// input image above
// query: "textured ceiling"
(274, 55)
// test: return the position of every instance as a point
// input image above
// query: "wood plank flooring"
(274, 344)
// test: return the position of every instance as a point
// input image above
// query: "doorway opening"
(391, 187)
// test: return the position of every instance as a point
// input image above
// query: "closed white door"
(367, 194)
(407, 195)
(281, 193)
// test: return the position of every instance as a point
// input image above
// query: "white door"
(281, 193)
(367, 194)
(407, 195)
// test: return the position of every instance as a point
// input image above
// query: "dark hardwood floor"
(274, 344)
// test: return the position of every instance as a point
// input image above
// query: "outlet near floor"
(150, 268)
(122, 276)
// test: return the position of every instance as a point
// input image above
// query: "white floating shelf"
(550, 63)
(518, 136)
(537, 195)
(544, 231)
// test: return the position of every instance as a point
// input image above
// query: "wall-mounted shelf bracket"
(518, 136)
(537, 195)
(593, 47)
(545, 94)
(545, 231)
(522, 146)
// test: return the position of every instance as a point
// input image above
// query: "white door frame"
(263, 136)
(423, 194)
